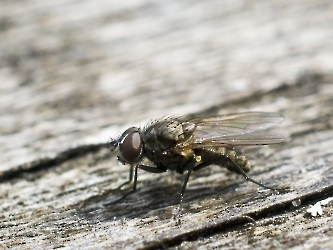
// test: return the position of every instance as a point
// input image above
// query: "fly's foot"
(177, 219)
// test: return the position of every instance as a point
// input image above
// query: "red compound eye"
(131, 145)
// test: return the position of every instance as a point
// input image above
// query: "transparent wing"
(235, 129)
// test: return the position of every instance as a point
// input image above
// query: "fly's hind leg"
(241, 165)
(232, 163)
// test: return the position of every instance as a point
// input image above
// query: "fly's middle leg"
(189, 168)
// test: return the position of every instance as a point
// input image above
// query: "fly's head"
(130, 146)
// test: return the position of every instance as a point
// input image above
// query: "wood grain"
(73, 73)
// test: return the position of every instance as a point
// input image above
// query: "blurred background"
(73, 73)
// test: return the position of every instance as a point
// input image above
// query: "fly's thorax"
(164, 144)
(167, 133)
(171, 159)
(184, 151)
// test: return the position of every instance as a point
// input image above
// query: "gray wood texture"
(73, 73)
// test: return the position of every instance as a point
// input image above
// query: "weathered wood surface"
(74, 72)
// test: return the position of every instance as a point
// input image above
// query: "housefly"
(186, 144)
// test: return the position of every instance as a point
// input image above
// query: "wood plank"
(73, 73)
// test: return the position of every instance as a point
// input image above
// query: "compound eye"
(131, 146)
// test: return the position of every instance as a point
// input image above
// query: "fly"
(183, 144)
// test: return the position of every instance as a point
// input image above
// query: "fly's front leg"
(152, 169)
(143, 167)
(129, 179)
(135, 170)
(134, 184)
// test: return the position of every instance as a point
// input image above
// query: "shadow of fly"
(185, 144)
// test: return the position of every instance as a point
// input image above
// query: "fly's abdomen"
(239, 159)
(223, 156)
